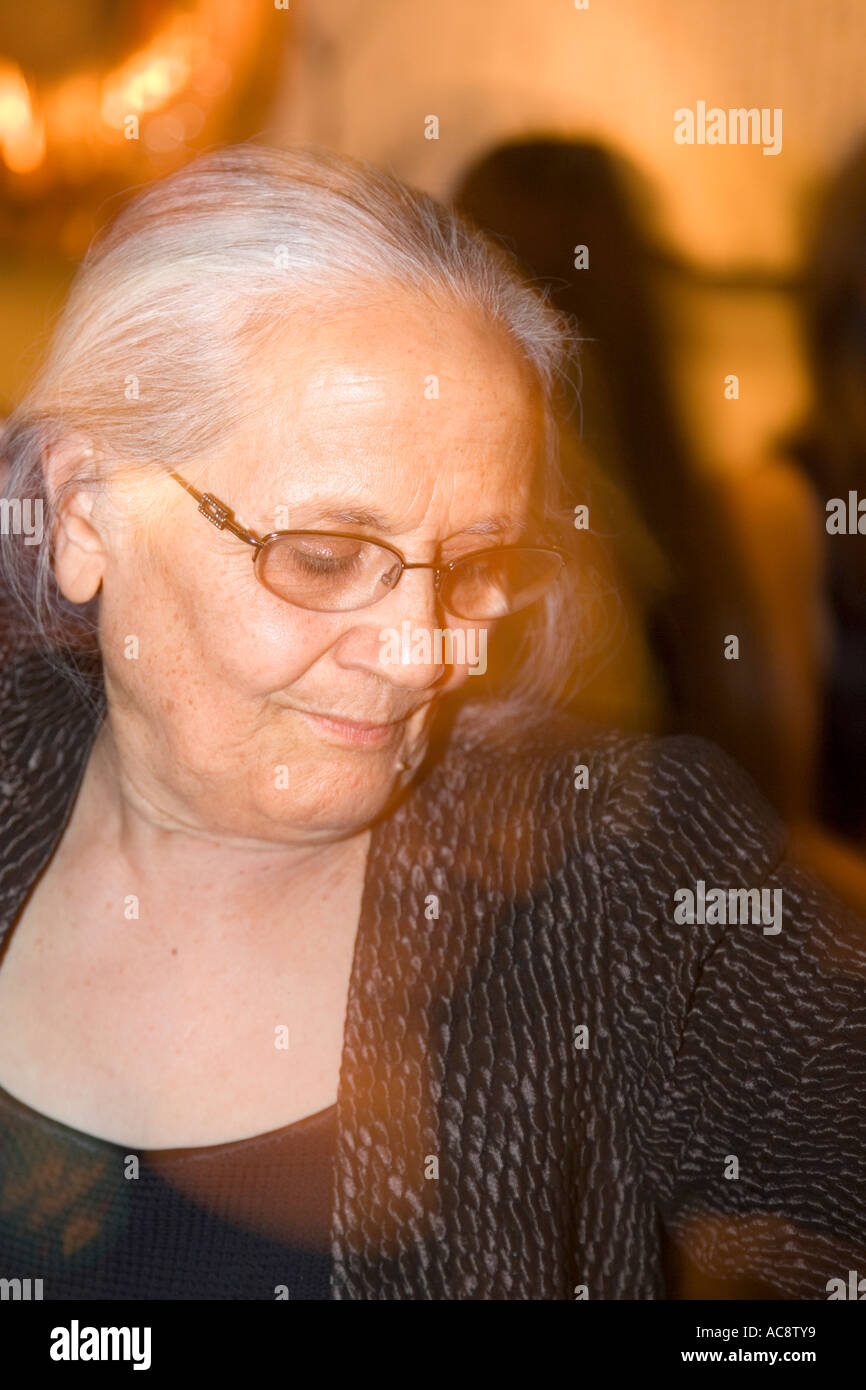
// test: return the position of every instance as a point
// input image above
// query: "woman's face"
(228, 718)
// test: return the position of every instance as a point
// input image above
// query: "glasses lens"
(499, 582)
(327, 573)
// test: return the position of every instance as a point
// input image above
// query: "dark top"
(97, 1220)
(546, 1073)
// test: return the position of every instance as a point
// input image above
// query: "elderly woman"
(336, 965)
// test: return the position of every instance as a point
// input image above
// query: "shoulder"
(48, 705)
(678, 787)
(685, 794)
(592, 839)
(628, 818)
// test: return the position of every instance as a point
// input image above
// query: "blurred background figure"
(831, 450)
(567, 210)
(693, 557)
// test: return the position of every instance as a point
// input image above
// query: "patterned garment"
(554, 1086)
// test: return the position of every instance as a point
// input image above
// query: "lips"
(354, 732)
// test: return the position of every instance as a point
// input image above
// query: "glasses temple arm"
(216, 512)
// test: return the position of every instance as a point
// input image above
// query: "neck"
(184, 868)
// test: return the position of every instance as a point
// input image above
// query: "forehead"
(398, 396)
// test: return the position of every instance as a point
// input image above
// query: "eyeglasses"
(337, 572)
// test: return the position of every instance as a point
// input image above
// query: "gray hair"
(165, 314)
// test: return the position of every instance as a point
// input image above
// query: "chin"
(343, 792)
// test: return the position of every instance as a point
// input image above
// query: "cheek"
(264, 646)
(206, 641)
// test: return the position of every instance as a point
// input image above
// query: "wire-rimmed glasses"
(335, 572)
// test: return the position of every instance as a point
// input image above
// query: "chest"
(168, 1038)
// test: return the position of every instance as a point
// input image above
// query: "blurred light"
(24, 150)
(157, 79)
(113, 108)
(145, 83)
(81, 121)
(22, 135)
(16, 113)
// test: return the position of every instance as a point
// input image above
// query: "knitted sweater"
(552, 1082)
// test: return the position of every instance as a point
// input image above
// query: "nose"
(396, 638)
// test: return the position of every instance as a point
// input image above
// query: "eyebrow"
(373, 521)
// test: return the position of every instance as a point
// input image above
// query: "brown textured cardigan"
(481, 1152)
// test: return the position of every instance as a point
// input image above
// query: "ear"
(80, 556)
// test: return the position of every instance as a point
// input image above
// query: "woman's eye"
(324, 564)
(327, 558)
